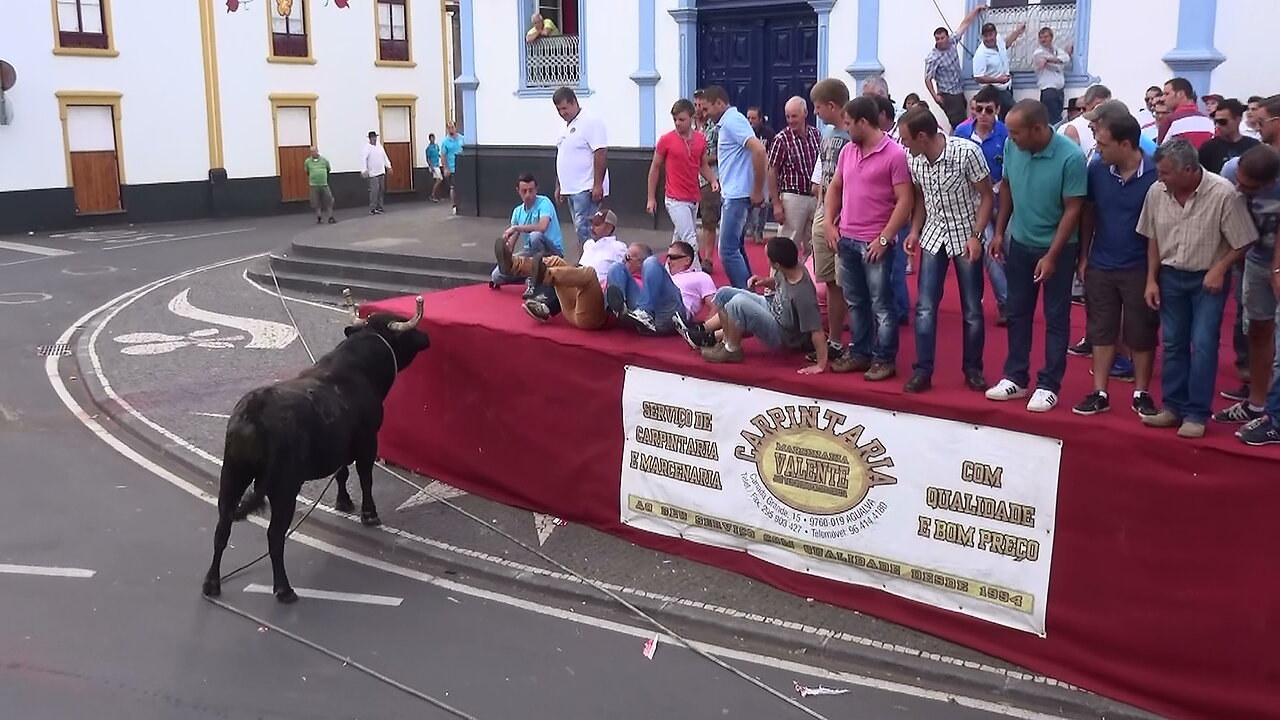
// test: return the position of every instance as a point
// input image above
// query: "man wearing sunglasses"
(670, 297)
(1228, 142)
(990, 134)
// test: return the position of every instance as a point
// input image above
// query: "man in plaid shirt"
(791, 157)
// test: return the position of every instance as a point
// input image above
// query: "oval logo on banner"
(811, 462)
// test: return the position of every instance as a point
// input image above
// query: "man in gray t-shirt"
(788, 317)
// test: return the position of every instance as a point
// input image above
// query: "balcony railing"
(1058, 16)
(552, 62)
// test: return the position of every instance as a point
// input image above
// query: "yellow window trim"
(73, 98)
(310, 59)
(408, 36)
(280, 100)
(411, 102)
(212, 92)
(108, 51)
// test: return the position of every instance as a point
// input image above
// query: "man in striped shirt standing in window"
(791, 156)
(953, 204)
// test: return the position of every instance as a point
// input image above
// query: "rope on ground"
(680, 639)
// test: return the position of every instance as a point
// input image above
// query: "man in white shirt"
(1077, 129)
(374, 165)
(577, 291)
(1051, 78)
(991, 63)
(582, 175)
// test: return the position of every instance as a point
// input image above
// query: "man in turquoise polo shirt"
(1044, 185)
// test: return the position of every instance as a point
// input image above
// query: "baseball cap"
(1107, 108)
(605, 216)
(1212, 96)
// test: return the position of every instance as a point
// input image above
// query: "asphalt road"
(135, 640)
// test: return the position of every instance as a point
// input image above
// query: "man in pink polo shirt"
(870, 197)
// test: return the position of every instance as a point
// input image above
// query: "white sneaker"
(1042, 401)
(1006, 390)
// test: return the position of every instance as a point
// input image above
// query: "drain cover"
(57, 350)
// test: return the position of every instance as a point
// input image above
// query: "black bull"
(308, 428)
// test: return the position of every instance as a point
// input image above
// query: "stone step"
(481, 262)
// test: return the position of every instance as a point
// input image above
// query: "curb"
(874, 658)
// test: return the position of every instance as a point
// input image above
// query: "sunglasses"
(1220, 122)
(984, 110)
(671, 257)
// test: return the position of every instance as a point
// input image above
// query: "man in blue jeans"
(1199, 226)
(990, 135)
(534, 229)
(1040, 204)
(671, 295)
(742, 170)
(953, 203)
(582, 174)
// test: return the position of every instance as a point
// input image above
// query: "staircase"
(371, 275)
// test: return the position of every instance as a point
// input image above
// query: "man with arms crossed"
(682, 154)
(953, 204)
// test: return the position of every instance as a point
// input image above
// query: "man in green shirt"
(1041, 198)
(318, 175)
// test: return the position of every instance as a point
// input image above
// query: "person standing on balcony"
(682, 154)
(991, 63)
(540, 27)
(582, 175)
(742, 171)
(450, 149)
(794, 152)
(1051, 64)
(374, 165)
(942, 70)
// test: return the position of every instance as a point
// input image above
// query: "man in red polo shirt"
(1184, 119)
(682, 153)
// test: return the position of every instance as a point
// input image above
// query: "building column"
(467, 81)
(1195, 56)
(646, 75)
(686, 17)
(867, 62)
(823, 8)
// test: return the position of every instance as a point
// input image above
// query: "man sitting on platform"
(534, 226)
(669, 296)
(787, 317)
(572, 290)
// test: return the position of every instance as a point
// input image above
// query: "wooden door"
(95, 164)
(397, 140)
(293, 145)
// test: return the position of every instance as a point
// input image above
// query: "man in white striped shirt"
(953, 205)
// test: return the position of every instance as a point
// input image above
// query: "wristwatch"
(883, 241)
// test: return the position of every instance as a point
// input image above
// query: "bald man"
(791, 159)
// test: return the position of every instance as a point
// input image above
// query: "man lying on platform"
(670, 296)
(788, 317)
(575, 291)
(535, 228)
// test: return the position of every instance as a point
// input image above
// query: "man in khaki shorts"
(829, 98)
(710, 203)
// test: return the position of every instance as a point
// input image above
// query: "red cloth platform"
(1163, 590)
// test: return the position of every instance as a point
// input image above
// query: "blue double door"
(761, 55)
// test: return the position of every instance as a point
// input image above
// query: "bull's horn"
(356, 320)
(409, 324)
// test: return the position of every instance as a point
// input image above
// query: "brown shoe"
(851, 364)
(538, 270)
(503, 254)
(880, 371)
(1191, 430)
(721, 354)
(1162, 419)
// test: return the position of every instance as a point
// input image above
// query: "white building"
(127, 110)
(629, 60)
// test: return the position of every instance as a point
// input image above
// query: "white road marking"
(213, 415)
(64, 394)
(24, 298)
(174, 239)
(331, 308)
(329, 595)
(267, 334)
(33, 249)
(434, 491)
(47, 571)
(545, 525)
